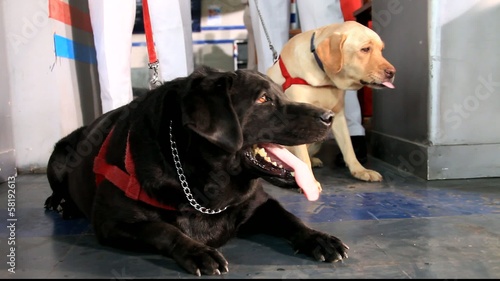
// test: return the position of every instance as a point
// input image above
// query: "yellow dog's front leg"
(313, 149)
(343, 139)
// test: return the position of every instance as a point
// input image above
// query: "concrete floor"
(403, 227)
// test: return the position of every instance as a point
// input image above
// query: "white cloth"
(317, 13)
(352, 112)
(312, 14)
(171, 24)
(251, 51)
(112, 25)
(276, 16)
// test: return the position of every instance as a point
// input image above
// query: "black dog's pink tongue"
(303, 175)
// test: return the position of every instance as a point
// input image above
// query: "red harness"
(125, 180)
(289, 80)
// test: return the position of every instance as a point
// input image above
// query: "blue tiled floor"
(404, 227)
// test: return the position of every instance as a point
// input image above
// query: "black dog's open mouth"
(277, 165)
(378, 85)
(269, 164)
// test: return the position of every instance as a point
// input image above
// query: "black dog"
(177, 171)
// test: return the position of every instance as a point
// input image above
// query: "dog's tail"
(58, 168)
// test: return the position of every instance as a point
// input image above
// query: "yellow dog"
(317, 66)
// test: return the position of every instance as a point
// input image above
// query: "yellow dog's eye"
(263, 99)
(365, 50)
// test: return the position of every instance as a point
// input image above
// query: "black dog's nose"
(389, 73)
(327, 117)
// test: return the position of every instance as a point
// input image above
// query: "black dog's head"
(244, 114)
(236, 110)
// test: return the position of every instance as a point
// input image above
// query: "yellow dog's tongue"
(388, 85)
(303, 175)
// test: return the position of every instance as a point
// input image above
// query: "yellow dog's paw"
(316, 163)
(367, 175)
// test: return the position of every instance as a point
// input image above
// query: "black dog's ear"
(207, 110)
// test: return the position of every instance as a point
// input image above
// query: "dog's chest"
(213, 230)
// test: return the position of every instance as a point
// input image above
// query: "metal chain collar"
(275, 54)
(184, 183)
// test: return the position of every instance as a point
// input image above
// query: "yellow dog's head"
(351, 54)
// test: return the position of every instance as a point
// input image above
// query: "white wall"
(30, 56)
(43, 89)
(440, 121)
(7, 152)
(469, 72)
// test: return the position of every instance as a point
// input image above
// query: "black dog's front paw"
(201, 259)
(321, 246)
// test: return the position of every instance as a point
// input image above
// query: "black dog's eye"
(366, 50)
(263, 99)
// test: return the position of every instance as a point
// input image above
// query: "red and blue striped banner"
(74, 17)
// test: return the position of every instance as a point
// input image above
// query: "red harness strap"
(125, 180)
(289, 80)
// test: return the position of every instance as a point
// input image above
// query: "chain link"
(184, 183)
(275, 54)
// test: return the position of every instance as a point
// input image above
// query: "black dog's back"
(57, 174)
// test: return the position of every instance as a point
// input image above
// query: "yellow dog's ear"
(330, 52)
